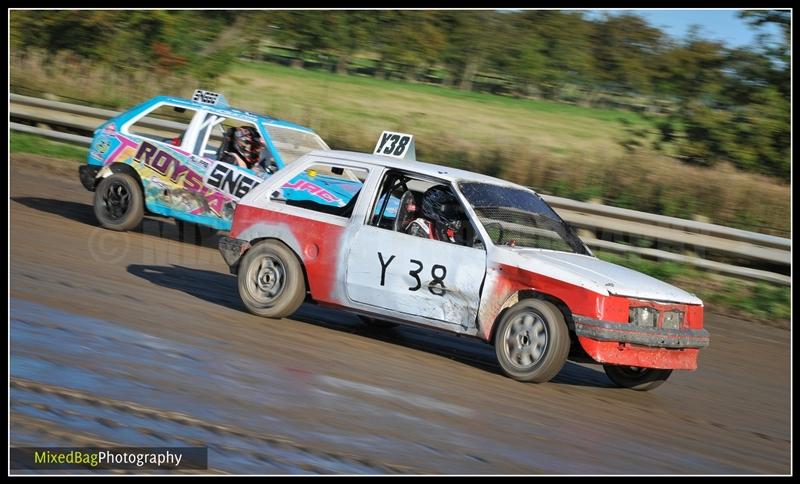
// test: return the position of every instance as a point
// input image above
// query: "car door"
(225, 183)
(432, 279)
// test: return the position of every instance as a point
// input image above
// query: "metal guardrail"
(73, 115)
(671, 222)
(699, 238)
(49, 133)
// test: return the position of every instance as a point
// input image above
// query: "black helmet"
(440, 206)
(247, 144)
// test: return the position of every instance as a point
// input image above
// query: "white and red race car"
(429, 245)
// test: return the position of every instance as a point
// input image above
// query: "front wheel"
(635, 377)
(118, 202)
(270, 279)
(532, 341)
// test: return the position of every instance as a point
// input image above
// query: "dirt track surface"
(138, 339)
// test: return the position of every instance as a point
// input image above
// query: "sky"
(723, 25)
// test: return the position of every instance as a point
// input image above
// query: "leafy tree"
(409, 39)
(725, 104)
(470, 42)
(624, 47)
(350, 31)
(305, 31)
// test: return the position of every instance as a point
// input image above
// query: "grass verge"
(38, 145)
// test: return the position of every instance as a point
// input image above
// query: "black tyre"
(118, 202)
(636, 378)
(532, 341)
(377, 323)
(270, 280)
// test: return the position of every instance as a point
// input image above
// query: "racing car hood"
(597, 275)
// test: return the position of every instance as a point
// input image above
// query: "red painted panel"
(579, 300)
(507, 280)
(633, 355)
(694, 317)
(319, 245)
(614, 309)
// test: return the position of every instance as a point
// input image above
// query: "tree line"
(723, 103)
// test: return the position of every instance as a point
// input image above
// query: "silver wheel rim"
(266, 279)
(525, 340)
(116, 200)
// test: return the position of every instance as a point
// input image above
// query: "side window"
(221, 139)
(324, 188)
(423, 208)
(166, 123)
(217, 136)
(209, 137)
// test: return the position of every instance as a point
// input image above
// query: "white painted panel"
(414, 275)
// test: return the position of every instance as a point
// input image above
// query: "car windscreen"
(293, 143)
(520, 218)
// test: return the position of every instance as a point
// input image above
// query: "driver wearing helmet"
(441, 216)
(245, 147)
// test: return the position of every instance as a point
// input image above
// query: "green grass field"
(366, 106)
(275, 71)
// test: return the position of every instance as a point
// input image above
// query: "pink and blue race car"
(169, 156)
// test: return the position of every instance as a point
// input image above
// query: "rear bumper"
(88, 175)
(624, 344)
(232, 250)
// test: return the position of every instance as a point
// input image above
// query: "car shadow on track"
(221, 289)
(151, 225)
(465, 350)
(209, 286)
(79, 212)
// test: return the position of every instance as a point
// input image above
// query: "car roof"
(227, 110)
(429, 169)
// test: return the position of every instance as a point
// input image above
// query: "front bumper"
(232, 250)
(625, 344)
(628, 333)
(88, 175)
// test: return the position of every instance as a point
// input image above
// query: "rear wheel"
(270, 279)
(532, 341)
(118, 202)
(635, 377)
